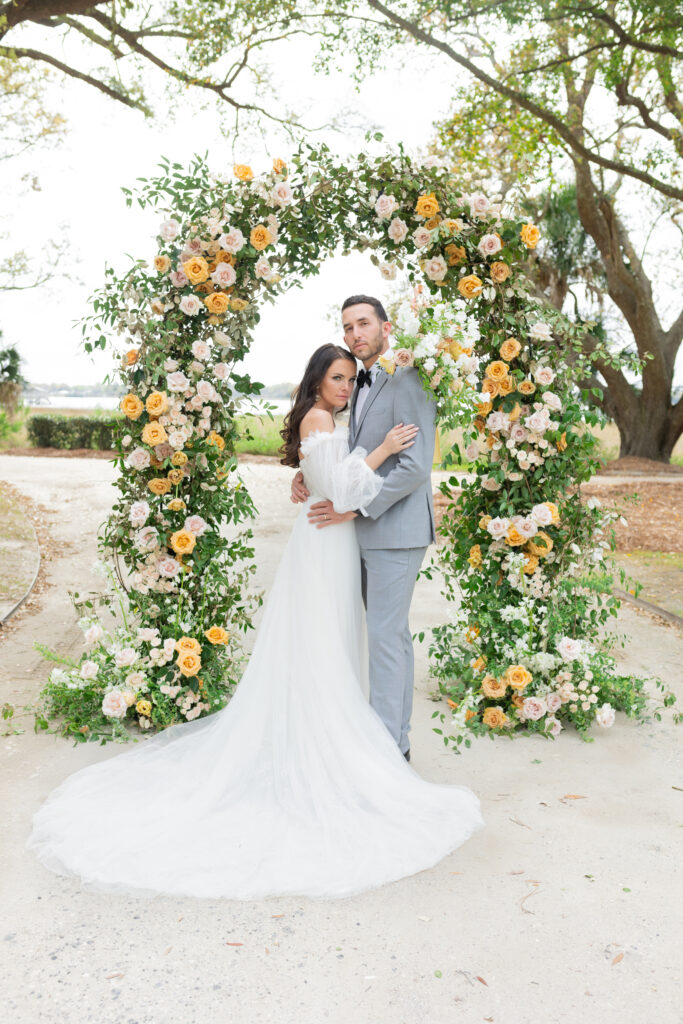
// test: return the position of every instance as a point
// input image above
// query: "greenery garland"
(178, 583)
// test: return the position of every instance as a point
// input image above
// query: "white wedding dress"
(296, 786)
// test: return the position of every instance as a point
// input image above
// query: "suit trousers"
(388, 580)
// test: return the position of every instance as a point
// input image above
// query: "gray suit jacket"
(402, 514)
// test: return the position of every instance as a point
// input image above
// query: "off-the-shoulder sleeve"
(331, 471)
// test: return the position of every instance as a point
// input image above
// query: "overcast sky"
(108, 146)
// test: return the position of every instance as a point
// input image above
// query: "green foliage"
(52, 430)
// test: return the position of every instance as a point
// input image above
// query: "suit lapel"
(377, 386)
(352, 418)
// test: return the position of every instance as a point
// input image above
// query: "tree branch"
(580, 151)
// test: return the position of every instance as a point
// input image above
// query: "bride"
(296, 786)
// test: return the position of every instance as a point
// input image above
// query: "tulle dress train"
(296, 786)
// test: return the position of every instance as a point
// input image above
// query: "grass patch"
(260, 435)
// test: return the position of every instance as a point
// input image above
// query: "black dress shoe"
(407, 754)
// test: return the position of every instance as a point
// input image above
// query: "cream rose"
(397, 230)
(114, 704)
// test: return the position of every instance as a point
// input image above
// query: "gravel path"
(560, 909)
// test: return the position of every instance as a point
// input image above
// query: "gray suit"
(393, 538)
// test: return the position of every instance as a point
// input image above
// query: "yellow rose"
(175, 476)
(238, 305)
(510, 349)
(494, 718)
(179, 459)
(515, 412)
(493, 688)
(144, 707)
(432, 223)
(499, 272)
(484, 522)
(162, 264)
(470, 286)
(474, 557)
(159, 485)
(279, 166)
(131, 357)
(153, 433)
(427, 206)
(541, 544)
(196, 269)
(554, 512)
(517, 677)
(484, 408)
(225, 257)
(497, 370)
(455, 254)
(479, 664)
(243, 172)
(188, 645)
(189, 664)
(260, 237)
(216, 439)
(131, 406)
(526, 387)
(513, 537)
(176, 505)
(450, 226)
(530, 564)
(530, 235)
(217, 303)
(561, 444)
(388, 365)
(506, 386)
(183, 542)
(490, 387)
(217, 635)
(156, 403)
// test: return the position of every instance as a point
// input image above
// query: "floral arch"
(522, 651)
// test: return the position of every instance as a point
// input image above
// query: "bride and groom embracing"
(301, 784)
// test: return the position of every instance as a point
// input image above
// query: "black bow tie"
(364, 377)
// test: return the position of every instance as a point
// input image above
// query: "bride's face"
(337, 384)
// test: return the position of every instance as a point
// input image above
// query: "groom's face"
(366, 336)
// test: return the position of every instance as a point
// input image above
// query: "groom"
(398, 525)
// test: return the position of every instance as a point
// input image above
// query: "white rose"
(544, 376)
(490, 245)
(89, 669)
(436, 268)
(397, 230)
(569, 649)
(190, 305)
(604, 716)
(139, 511)
(126, 656)
(206, 391)
(388, 271)
(169, 647)
(554, 702)
(196, 525)
(93, 634)
(538, 422)
(169, 230)
(282, 194)
(491, 484)
(385, 206)
(177, 381)
(263, 269)
(138, 459)
(170, 365)
(422, 237)
(146, 539)
(541, 331)
(177, 438)
(553, 726)
(221, 371)
(498, 527)
(232, 241)
(114, 704)
(534, 708)
(135, 680)
(541, 515)
(168, 567)
(224, 275)
(479, 205)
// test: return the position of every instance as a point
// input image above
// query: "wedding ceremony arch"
(522, 558)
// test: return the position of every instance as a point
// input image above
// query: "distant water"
(112, 402)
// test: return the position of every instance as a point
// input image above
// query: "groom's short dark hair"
(356, 300)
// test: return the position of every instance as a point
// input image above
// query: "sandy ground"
(561, 909)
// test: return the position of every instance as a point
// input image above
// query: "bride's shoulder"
(316, 420)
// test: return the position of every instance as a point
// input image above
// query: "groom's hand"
(322, 514)
(299, 491)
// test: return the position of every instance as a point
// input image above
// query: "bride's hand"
(399, 438)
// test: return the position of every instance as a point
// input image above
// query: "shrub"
(57, 431)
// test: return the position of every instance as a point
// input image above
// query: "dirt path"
(560, 909)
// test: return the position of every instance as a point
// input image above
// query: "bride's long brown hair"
(304, 398)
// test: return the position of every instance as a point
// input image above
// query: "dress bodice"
(331, 471)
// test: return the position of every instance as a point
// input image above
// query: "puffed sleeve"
(331, 471)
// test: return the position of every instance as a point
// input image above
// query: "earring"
(317, 396)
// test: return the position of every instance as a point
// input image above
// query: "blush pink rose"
(114, 704)
(489, 245)
(224, 275)
(479, 205)
(168, 567)
(554, 702)
(177, 381)
(404, 357)
(138, 459)
(263, 269)
(200, 350)
(169, 229)
(221, 370)
(196, 525)
(179, 278)
(422, 237)
(436, 268)
(544, 376)
(397, 230)
(139, 511)
(232, 241)
(385, 206)
(282, 194)
(534, 708)
(190, 305)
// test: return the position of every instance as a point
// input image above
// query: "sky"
(109, 146)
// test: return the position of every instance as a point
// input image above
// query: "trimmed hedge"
(58, 431)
